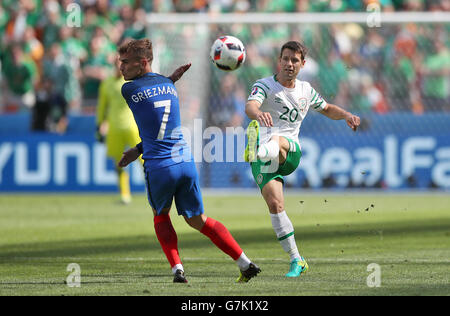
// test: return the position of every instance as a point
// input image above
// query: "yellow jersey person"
(116, 126)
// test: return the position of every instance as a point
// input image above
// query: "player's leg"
(168, 240)
(222, 238)
(124, 185)
(115, 145)
(189, 203)
(252, 141)
(278, 146)
(282, 225)
(160, 195)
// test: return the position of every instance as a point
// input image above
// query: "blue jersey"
(153, 99)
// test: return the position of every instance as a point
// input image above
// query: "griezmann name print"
(153, 92)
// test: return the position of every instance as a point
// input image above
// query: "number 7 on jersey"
(165, 118)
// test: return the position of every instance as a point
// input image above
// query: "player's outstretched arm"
(178, 73)
(128, 157)
(335, 112)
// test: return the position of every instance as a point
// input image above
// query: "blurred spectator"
(440, 5)
(436, 78)
(328, 5)
(259, 66)
(190, 5)
(160, 6)
(126, 16)
(20, 74)
(414, 5)
(136, 30)
(223, 6)
(399, 72)
(50, 112)
(20, 13)
(50, 22)
(96, 68)
(367, 97)
(71, 45)
(332, 78)
(386, 5)
(75, 53)
(33, 46)
(372, 52)
(276, 6)
(4, 17)
(309, 71)
(41, 118)
(227, 106)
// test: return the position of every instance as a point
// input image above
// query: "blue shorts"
(178, 181)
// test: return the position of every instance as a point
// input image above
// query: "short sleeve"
(316, 102)
(126, 91)
(258, 93)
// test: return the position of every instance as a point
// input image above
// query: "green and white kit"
(288, 108)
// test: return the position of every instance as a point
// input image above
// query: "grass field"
(408, 236)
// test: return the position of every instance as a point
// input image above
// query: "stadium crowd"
(51, 68)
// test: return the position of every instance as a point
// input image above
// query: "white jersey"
(287, 106)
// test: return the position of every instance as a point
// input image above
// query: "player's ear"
(145, 63)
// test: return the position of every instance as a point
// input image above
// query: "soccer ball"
(227, 53)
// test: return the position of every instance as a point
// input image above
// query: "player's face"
(290, 63)
(130, 66)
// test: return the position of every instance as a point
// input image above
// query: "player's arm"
(101, 124)
(130, 155)
(335, 112)
(252, 109)
(255, 100)
(178, 73)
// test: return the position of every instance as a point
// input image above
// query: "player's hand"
(128, 157)
(99, 136)
(178, 73)
(265, 119)
(353, 121)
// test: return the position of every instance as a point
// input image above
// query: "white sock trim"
(269, 151)
(284, 230)
(281, 224)
(243, 262)
(176, 267)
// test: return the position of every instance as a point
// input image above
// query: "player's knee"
(283, 143)
(191, 223)
(164, 211)
(275, 206)
(196, 222)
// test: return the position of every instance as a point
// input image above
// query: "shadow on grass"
(195, 240)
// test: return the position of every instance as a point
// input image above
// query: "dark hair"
(296, 47)
(140, 48)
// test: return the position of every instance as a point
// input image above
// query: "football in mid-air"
(228, 53)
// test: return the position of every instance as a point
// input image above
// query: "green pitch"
(340, 235)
